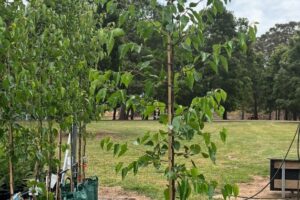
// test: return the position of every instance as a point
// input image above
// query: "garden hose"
(297, 133)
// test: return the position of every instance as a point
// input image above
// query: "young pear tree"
(181, 26)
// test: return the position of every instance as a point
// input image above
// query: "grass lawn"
(246, 152)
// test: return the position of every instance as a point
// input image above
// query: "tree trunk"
(128, 113)
(225, 115)
(255, 109)
(170, 114)
(11, 154)
(295, 116)
(132, 114)
(79, 153)
(286, 114)
(279, 113)
(84, 152)
(243, 113)
(58, 167)
(50, 154)
(114, 114)
(122, 114)
(270, 115)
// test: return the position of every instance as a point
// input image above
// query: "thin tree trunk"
(170, 114)
(255, 110)
(114, 114)
(279, 113)
(225, 115)
(84, 152)
(122, 114)
(132, 114)
(270, 115)
(286, 114)
(79, 153)
(58, 167)
(127, 114)
(243, 113)
(295, 116)
(50, 154)
(11, 153)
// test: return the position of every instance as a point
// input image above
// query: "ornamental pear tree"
(181, 27)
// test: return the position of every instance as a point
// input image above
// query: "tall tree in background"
(287, 79)
(278, 35)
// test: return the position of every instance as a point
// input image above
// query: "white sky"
(266, 12)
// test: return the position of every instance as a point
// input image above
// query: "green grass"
(245, 154)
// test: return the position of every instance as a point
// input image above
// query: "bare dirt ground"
(118, 193)
(249, 189)
(246, 190)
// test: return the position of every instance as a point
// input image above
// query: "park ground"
(243, 157)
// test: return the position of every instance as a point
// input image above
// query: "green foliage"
(49, 57)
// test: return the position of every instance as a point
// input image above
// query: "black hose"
(288, 151)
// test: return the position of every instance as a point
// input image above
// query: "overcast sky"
(266, 12)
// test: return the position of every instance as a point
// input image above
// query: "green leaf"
(206, 137)
(124, 172)
(126, 79)
(252, 33)
(166, 194)
(223, 135)
(213, 66)
(149, 88)
(123, 150)
(223, 95)
(216, 49)
(195, 149)
(192, 4)
(110, 44)
(163, 119)
(117, 32)
(170, 27)
(224, 62)
(101, 95)
(135, 167)
(184, 189)
(118, 167)
(186, 47)
(116, 149)
(180, 7)
(176, 145)
(184, 20)
(109, 146)
(122, 18)
(195, 172)
(204, 56)
(190, 79)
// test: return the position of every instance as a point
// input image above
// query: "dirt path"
(246, 190)
(249, 189)
(118, 193)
